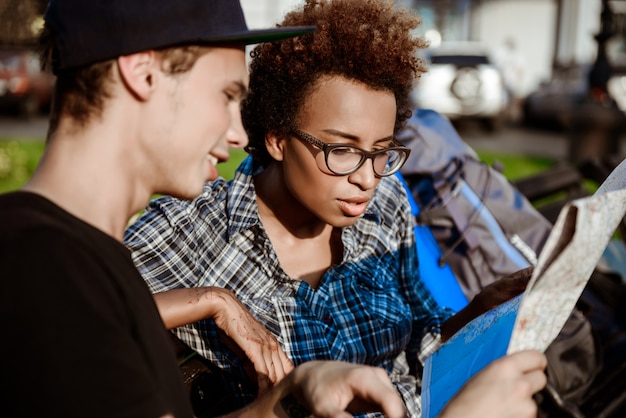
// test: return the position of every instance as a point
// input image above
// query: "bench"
(551, 189)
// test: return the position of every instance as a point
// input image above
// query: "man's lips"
(213, 161)
(217, 157)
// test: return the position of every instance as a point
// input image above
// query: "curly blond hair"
(369, 41)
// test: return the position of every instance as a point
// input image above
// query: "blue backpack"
(472, 227)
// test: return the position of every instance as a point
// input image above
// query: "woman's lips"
(353, 207)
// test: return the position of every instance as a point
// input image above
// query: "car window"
(460, 60)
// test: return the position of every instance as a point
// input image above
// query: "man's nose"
(236, 134)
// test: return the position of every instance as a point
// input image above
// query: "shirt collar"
(242, 209)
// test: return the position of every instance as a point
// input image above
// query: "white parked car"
(463, 82)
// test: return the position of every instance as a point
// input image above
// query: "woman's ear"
(138, 72)
(275, 146)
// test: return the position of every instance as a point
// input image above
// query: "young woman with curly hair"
(314, 235)
(368, 43)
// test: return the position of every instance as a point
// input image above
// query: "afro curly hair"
(369, 41)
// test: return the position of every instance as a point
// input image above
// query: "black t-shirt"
(82, 336)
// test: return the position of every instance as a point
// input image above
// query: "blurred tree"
(20, 20)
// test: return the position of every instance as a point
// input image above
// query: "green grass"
(18, 160)
(227, 169)
(516, 166)
(19, 157)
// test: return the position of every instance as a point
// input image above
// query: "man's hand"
(330, 388)
(504, 389)
(256, 346)
(252, 341)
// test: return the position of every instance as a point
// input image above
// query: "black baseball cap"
(90, 31)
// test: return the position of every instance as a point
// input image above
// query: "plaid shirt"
(370, 309)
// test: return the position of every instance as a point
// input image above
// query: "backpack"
(485, 228)
(472, 227)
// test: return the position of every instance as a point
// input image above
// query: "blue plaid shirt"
(370, 309)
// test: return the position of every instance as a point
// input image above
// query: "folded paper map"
(534, 319)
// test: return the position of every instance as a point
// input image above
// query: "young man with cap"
(146, 101)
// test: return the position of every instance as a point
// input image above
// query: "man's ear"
(275, 146)
(139, 73)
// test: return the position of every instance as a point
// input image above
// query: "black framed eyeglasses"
(344, 159)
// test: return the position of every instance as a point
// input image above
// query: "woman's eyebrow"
(354, 138)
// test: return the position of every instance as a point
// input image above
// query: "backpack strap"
(491, 222)
(438, 278)
(453, 175)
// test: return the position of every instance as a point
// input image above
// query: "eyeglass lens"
(347, 159)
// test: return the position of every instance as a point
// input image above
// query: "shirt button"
(327, 319)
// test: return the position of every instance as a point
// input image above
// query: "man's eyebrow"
(241, 89)
(355, 138)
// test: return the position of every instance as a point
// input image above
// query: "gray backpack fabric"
(486, 229)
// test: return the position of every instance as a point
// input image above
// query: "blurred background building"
(560, 42)
(547, 33)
